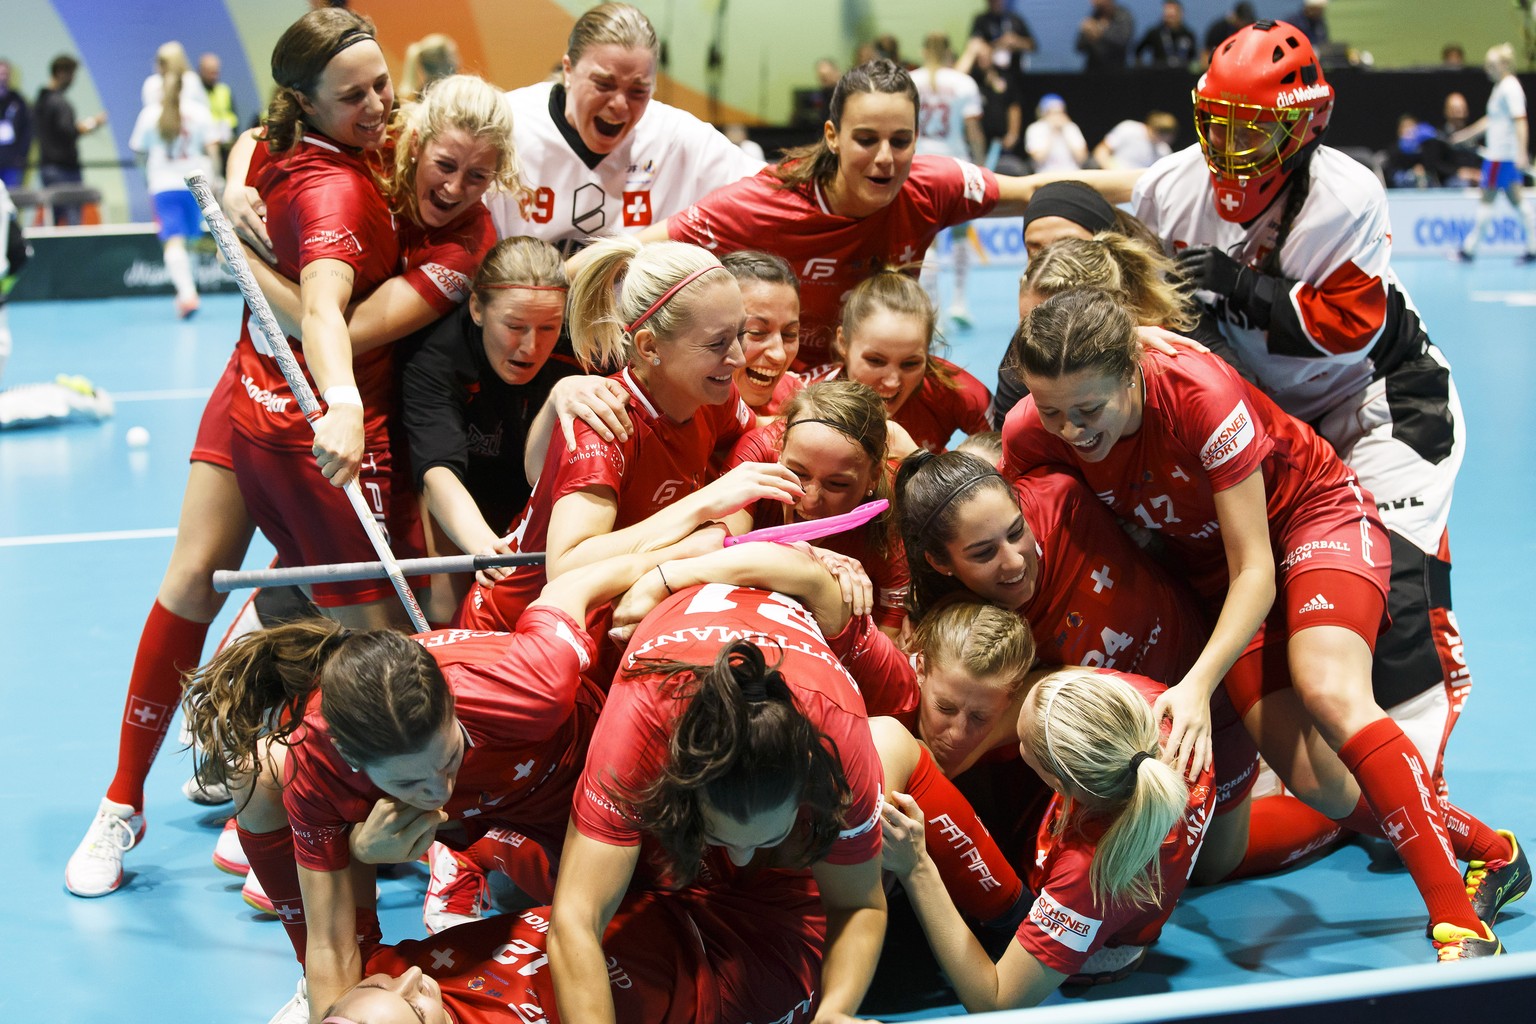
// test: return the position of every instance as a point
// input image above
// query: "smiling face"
(835, 471)
(958, 711)
(699, 363)
(352, 100)
(993, 551)
(742, 839)
(412, 998)
(452, 172)
(519, 328)
(889, 352)
(424, 779)
(874, 148)
(606, 92)
(1089, 410)
(772, 338)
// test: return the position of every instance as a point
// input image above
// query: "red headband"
(685, 282)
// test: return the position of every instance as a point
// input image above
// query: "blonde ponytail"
(619, 281)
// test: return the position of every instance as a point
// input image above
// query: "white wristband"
(343, 394)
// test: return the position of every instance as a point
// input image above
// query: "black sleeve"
(1009, 392)
(16, 248)
(434, 395)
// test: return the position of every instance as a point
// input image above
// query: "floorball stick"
(277, 343)
(225, 580)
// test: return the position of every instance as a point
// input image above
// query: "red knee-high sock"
(1473, 840)
(1397, 786)
(271, 857)
(169, 646)
(518, 857)
(982, 883)
(1281, 831)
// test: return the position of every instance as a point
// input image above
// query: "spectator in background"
(1006, 34)
(426, 60)
(1239, 16)
(1104, 37)
(737, 133)
(1131, 144)
(221, 103)
(1446, 164)
(811, 105)
(15, 130)
(1002, 104)
(1054, 142)
(1171, 44)
(1456, 113)
(1453, 57)
(1406, 163)
(1312, 20)
(58, 134)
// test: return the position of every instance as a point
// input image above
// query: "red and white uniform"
(630, 743)
(949, 98)
(935, 410)
(1099, 600)
(662, 461)
(1506, 105)
(1067, 925)
(526, 715)
(830, 253)
(1205, 429)
(887, 572)
(669, 159)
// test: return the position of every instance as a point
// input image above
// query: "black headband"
(1074, 201)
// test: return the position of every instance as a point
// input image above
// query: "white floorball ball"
(137, 437)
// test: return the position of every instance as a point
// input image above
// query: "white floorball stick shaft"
(225, 580)
(277, 343)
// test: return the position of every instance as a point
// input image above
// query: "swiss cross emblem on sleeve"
(637, 209)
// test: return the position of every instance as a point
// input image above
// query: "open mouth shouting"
(608, 129)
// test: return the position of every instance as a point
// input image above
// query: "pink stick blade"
(813, 529)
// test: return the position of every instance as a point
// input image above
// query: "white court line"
(85, 538)
(160, 396)
(1507, 298)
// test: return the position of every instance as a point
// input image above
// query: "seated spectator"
(1171, 44)
(1404, 162)
(1453, 57)
(1007, 35)
(1104, 37)
(1054, 142)
(1312, 21)
(1131, 144)
(811, 104)
(1239, 16)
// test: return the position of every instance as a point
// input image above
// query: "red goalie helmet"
(1262, 105)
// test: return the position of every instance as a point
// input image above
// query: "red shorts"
(1338, 529)
(312, 523)
(214, 429)
(1318, 597)
(1235, 754)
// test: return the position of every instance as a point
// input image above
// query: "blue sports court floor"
(85, 532)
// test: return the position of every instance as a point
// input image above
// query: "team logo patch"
(668, 490)
(1229, 198)
(1398, 828)
(145, 714)
(342, 239)
(975, 182)
(1066, 926)
(637, 208)
(1235, 434)
(453, 285)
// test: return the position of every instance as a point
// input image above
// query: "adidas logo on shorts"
(1317, 604)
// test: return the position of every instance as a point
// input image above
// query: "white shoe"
(227, 854)
(295, 1010)
(96, 866)
(256, 897)
(457, 892)
(209, 794)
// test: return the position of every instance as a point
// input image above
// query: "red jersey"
(887, 572)
(887, 675)
(1099, 600)
(783, 391)
(1203, 429)
(935, 410)
(1066, 925)
(441, 263)
(321, 204)
(515, 696)
(830, 253)
(663, 460)
(630, 742)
